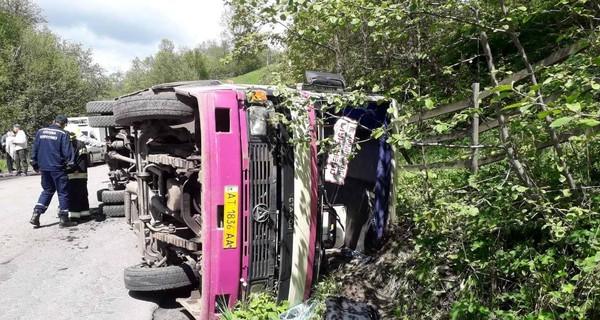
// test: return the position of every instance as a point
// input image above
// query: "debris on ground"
(373, 278)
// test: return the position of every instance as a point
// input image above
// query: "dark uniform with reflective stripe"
(78, 177)
(52, 153)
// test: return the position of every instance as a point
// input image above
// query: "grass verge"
(259, 76)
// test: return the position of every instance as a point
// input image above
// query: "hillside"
(258, 76)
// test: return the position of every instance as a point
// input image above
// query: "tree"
(51, 79)
(192, 65)
(493, 244)
(138, 75)
(167, 65)
(24, 9)
(41, 75)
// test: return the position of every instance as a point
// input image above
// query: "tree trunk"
(511, 154)
(540, 103)
(338, 68)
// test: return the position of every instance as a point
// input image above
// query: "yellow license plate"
(230, 231)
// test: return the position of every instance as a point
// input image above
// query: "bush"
(258, 307)
(487, 250)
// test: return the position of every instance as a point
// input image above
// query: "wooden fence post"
(475, 129)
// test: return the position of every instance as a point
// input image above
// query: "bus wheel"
(141, 277)
(169, 107)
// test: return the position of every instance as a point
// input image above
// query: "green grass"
(254, 77)
(3, 164)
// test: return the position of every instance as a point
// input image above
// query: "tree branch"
(457, 19)
(540, 103)
(503, 129)
(306, 39)
(430, 13)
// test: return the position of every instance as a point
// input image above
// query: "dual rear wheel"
(113, 202)
(167, 107)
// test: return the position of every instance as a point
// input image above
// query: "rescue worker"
(51, 155)
(79, 205)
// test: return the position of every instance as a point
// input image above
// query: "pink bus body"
(224, 276)
(226, 202)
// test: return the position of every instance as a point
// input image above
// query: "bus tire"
(166, 106)
(113, 197)
(100, 107)
(143, 278)
(114, 211)
(102, 121)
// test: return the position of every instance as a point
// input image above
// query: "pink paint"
(245, 234)
(221, 268)
(225, 162)
(313, 201)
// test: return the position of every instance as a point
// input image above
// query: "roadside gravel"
(76, 273)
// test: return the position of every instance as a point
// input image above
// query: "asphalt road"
(71, 273)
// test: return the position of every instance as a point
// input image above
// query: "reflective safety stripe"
(55, 130)
(74, 214)
(82, 151)
(82, 175)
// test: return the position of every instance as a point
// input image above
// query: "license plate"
(230, 231)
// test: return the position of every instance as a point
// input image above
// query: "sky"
(117, 31)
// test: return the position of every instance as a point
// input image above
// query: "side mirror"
(325, 79)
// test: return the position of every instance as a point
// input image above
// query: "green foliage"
(258, 307)
(209, 60)
(325, 288)
(41, 75)
(167, 65)
(221, 66)
(493, 253)
(482, 246)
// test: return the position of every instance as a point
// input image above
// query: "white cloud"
(112, 54)
(117, 31)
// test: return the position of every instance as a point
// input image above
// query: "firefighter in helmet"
(79, 206)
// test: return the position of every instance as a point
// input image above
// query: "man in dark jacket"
(51, 155)
(79, 206)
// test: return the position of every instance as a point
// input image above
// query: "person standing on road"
(79, 205)
(10, 151)
(3, 147)
(51, 155)
(20, 143)
(3, 142)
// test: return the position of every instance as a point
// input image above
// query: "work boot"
(35, 219)
(65, 222)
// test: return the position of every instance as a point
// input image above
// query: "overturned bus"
(229, 202)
